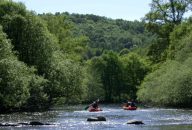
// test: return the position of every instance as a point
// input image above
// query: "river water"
(75, 118)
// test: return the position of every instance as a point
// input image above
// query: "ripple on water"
(117, 118)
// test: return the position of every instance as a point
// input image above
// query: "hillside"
(105, 33)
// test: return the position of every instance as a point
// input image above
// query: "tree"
(20, 88)
(168, 11)
(135, 69)
(61, 26)
(32, 40)
(38, 48)
(8, 7)
(65, 80)
(14, 77)
(180, 41)
(5, 46)
(163, 17)
(165, 14)
(38, 99)
(110, 70)
(93, 82)
(170, 85)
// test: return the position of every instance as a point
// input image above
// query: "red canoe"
(91, 109)
(129, 108)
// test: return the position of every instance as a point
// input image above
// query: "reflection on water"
(74, 118)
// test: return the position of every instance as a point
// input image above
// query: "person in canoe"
(94, 106)
(130, 105)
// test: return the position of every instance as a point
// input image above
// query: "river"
(74, 118)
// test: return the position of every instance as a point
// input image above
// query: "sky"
(115, 9)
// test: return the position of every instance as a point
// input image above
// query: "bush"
(171, 85)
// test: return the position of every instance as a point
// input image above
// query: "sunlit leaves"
(15, 77)
(5, 46)
(170, 86)
(135, 69)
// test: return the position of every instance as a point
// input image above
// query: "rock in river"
(99, 118)
(36, 123)
(136, 122)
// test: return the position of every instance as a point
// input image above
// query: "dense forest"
(52, 59)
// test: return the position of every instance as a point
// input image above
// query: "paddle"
(124, 104)
(86, 107)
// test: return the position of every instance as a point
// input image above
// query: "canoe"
(91, 109)
(129, 108)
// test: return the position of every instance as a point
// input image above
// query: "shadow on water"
(75, 118)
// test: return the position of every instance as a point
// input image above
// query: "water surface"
(74, 118)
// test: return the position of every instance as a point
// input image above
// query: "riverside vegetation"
(51, 59)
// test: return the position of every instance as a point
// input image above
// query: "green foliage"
(38, 99)
(5, 46)
(102, 32)
(66, 78)
(62, 27)
(76, 58)
(59, 25)
(18, 85)
(118, 77)
(169, 86)
(162, 18)
(157, 50)
(180, 42)
(135, 69)
(94, 84)
(185, 50)
(35, 45)
(124, 52)
(15, 77)
(11, 8)
(171, 11)
(110, 70)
